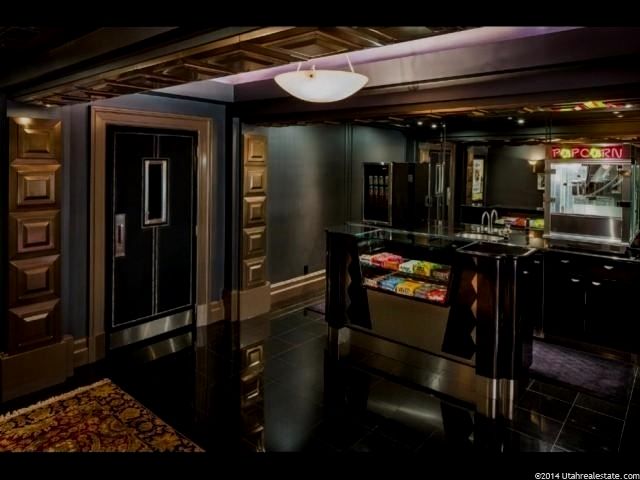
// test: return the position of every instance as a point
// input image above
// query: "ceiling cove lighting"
(321, 86)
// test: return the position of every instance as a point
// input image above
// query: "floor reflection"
(267, 385)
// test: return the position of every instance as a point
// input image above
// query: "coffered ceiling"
(260, 48)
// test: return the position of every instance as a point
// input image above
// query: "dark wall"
(510, 178)
(315, 181)
(371, 145)
(306, 193)
(75, 222)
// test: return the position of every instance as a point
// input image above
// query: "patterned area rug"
(96, 418)
(601, 377)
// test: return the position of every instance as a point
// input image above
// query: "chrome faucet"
(493, 220)
(485, 213)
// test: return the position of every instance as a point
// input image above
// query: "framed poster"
(477, 184)
(541, 181)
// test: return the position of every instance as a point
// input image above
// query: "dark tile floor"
(310, 404)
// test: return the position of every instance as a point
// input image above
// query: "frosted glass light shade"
(321, 85)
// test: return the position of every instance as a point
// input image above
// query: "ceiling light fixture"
(434, 125)
(628, 105)
(419, 122)
(321, 86)
(520, 121)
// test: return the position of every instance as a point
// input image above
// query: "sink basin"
(496, 249)
(480, 236)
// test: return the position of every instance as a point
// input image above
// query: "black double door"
(150, 227)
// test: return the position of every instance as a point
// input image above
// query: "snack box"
(407, 287)
(441, 274)
(423, 290)
(374, 281)
(392, 263)
(408, 267)
(422, 268)
(437, 295)
(379, 258)
(366, 259)
(390, 283)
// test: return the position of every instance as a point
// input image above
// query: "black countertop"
(451, 234)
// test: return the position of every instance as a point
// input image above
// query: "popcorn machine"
(591, 198)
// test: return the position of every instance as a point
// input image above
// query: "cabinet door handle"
(564, 260)
(537, 262)
(575, 280)
(608, 267)
(597, 284)
(120, 235)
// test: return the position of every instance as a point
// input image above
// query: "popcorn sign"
(588, 152)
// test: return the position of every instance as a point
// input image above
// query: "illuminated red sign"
(588, 152)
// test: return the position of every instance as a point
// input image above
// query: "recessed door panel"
(33, 279)
(33, 325)
(34, 184)
(33, 232)
(132, 294)
(175, 249)
(36, 139)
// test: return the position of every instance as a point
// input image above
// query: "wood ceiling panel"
(263, 48)
(311, 45)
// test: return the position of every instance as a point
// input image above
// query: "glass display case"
(407, 264)
(591, 196)
(396, 274)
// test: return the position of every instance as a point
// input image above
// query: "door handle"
(120, 235)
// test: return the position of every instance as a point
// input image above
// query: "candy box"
(422, 268)
(366, 259)
(437, 295)
(392, 263)
(379, 258)
(441, 274)
(374, 281)
(423, 290)
(408, 267)
(408, 287)
(390, 283)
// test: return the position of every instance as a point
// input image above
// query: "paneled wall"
(33, 317)
(254, 211)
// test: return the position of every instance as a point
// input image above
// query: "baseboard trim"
(80, 352)
(216, 312)
(33, 370)
(294, 289)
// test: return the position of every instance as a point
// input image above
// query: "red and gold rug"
(96, 418)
